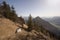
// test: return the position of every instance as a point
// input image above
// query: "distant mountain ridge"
(46, 25)
(54, 20)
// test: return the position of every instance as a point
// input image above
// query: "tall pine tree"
(8, 12)
(30, 23)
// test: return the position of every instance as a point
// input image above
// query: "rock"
(25, 26)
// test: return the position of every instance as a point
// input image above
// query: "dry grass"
(7, 28)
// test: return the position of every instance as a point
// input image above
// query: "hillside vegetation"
(9, 13)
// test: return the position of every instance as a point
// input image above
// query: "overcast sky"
(42, 8)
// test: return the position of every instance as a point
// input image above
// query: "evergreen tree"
(13, 14)
(5, 9)
(4, 3)
(30, 23)
(8, 12)
(20, 20)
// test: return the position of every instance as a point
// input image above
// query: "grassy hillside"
(7, 27)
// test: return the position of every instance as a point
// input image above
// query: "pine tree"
(8, 12)
(13, 14)
(4, 3)
(30, 23)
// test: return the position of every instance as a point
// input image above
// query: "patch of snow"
(19, 30)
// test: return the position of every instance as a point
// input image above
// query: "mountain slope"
(47, 25)
(7, 28)
(54, 20)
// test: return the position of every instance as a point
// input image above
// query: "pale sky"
(42, 8)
